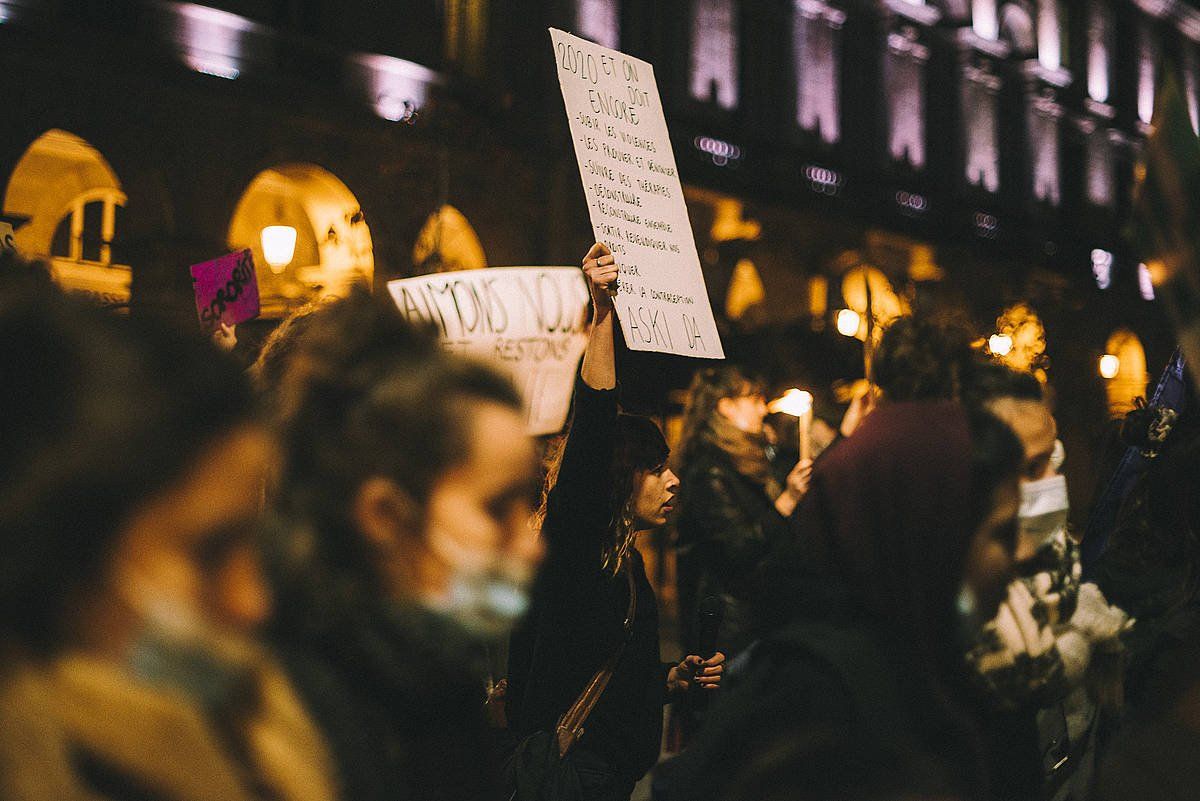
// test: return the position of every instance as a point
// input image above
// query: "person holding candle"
(733, 506)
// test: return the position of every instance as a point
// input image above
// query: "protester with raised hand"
(594, 619)
(733, 508)
(130, 594)
(404, 549)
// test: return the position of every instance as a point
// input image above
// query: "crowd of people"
(346, 572)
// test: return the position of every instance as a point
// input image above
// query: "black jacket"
(399, 696)
(820, 711)
(576, 618)
(727, 526)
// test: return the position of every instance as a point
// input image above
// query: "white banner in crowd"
(634, 197)
(6, 237)
(531, 320)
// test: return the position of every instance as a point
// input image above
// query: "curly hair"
(922, 359)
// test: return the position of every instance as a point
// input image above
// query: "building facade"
(968, 153)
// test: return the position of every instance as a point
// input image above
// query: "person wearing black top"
(612, 481)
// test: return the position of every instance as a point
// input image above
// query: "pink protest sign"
(226, 290)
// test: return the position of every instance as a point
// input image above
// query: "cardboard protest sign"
(635, 199)
(531, 321)
(226, 290)
(6, 236)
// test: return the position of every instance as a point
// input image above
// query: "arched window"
(1129, 379)
(74, 203)
(333, 242)
(447, 243)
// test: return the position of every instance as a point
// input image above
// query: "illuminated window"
(1044, 115)
(1131, 378)
(333, 241)
(466, 34)
(1147, 56)
(1102, 264)
(600, 21)
(447, 243)
(1099, 50)
(979, 89)
(817, 41)
(984, 21)
(1049, 35)
(1017, 29)
(714, 52)
(74, 203)
(1191, 83)
(1101, 188)
(904, 84)
(745, 290)
(1145, 282)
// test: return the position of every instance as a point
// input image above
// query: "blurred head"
(1018, 400)
(724, 393)
(908, 514)
(132, 475)
(408, 470)
(921, 359)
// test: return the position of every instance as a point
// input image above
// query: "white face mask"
(1044, 509)
(487, 602)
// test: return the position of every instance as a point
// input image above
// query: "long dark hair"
(363, 394)
(97, 416)
(640, 448)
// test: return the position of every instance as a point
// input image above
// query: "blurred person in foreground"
(404, 548)
(594, 610)
(905, 548)
(131, 587)
(1034, 658)
(733, 508)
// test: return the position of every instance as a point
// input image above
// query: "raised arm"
(578, 513)
(599, 360)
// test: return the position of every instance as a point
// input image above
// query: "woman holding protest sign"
(586, 686)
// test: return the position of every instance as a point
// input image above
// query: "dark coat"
(576, 618)
(861, 687)
(727, 526)
(399, 695)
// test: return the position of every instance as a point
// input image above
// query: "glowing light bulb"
(279, 246)
(848, 322)
(1000, 344)
(1109, 366)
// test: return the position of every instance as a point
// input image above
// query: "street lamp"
(1000, 345)
(1110, 365)
(279, 246)
(848, 322)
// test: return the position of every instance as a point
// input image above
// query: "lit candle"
(799, 404)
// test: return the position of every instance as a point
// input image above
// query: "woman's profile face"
(990, 558)
(746, 411)
(654, 498)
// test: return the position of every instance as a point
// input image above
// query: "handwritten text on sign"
(530, 320)
(226, 290)
(634, 197)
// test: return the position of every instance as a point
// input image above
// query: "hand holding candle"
(799, 404)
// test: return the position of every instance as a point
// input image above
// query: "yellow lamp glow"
(1000, 344)
(848, 322)
(279, 246)
(1110, 365)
